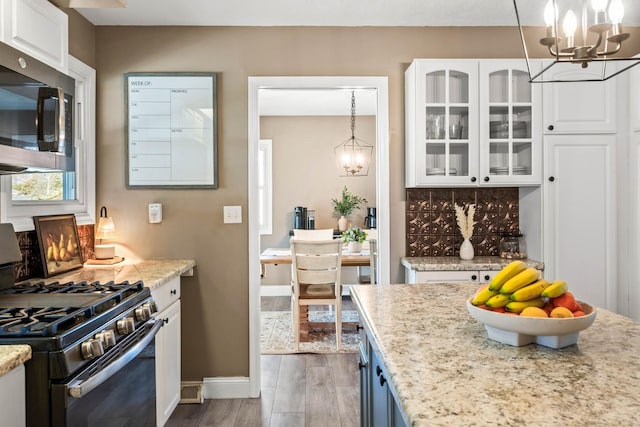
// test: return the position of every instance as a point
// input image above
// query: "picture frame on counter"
(172, 134)
(59, 244)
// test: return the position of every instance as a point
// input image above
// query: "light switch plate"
(233, 214)
(155, 213)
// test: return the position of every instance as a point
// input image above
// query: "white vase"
(343, 222)
(466, 250)
(355, 247)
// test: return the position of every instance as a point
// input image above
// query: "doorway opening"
(258, 88)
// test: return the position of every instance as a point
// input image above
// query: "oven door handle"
(79, 389)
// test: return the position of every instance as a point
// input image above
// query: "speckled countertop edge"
(154, 273)
(445, 263)
(443, 370)
(12, 356)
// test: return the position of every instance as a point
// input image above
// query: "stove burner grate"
(40, 321)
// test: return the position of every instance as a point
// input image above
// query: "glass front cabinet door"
(441, 123)
(510, 126)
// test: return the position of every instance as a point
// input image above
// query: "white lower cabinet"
(168, 349)
(579, 200)
(479, 276)
(13, 398)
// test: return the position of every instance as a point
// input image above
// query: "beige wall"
(305, 174)
(215, 301)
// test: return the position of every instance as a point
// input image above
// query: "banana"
(482, 296)
(510, 270)
(497, 301)
(518, 306)
(520, 280)
(529, 292)
(555, 289)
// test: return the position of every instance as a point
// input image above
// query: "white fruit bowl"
(522, 330)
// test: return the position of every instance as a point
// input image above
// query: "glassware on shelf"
(512, 246)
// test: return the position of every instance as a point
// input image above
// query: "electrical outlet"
(233, 214)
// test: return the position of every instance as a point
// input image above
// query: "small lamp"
(105, 230)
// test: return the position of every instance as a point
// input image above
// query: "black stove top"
(45, 310)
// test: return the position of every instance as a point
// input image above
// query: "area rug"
(276, 334)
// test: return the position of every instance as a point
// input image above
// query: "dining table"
(275, 256)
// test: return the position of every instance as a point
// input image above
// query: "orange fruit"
(560, 313)
(565, 300)
(578, 313)
(533, 312)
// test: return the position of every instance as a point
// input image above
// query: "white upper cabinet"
(579, 107)
(37, 28)
(441, 122)
(510, 122)
(471, 123)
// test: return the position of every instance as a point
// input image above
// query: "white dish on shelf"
(440, 171)
(522, 330)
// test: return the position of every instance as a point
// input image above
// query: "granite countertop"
(153, 273)
(12, 356)
(444, 371)
(454, 263)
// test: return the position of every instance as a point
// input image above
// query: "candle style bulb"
(550, 13)
(569, 26)
(598, 5)
(616, 11)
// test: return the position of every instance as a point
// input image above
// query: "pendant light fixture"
(353, 156)
(586, 33)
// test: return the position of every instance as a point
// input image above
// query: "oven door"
(120, 392)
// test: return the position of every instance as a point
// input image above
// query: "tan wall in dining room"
(305, 174)
(215, 317)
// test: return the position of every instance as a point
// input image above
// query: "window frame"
(20, 213)
(266, 146)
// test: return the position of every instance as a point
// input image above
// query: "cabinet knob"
(486, 179)
(474, 277)
(550, 127)
(382, 380)
(551, 178)
(486, 277)
(378, 370)
(359, 327)
(173, 292)
(473, 179)
(361, 365)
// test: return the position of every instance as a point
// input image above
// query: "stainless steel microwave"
(36, 115)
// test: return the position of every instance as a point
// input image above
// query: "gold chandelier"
(353, 156)
(584, 32)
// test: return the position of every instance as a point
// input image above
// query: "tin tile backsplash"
(431, 220)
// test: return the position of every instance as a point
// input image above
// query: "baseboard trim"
(225, 388)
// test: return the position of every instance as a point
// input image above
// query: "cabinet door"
(12, 397)
(510, 136)
(379, 400)
(579, 215)
(579, 107)
(168, 363)
(442, 118)
(37, 28)
(486, 275)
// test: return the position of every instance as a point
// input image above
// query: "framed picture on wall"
(171, 130)
(59, 244)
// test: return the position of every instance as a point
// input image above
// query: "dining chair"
(321, 234)
(316, 266)
(373, 261)
(366, 275)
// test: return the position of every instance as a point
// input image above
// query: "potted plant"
(345, 206)
(354, 236)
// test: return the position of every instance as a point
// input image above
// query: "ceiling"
(308, 13)
(325, 13)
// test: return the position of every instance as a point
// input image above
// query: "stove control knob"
(107, 338)
(143, 313)
(152, 306)
(91, 349)
(126, 325)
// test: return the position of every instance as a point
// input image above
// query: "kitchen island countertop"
(454, 263)
(444, 371)
(12, 356)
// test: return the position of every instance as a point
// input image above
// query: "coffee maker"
(370, 219)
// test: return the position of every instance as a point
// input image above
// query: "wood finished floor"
(301, 390)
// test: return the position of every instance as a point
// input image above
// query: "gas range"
(92, 346)
(78, 321)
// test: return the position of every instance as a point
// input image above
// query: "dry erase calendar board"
(171, 130)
